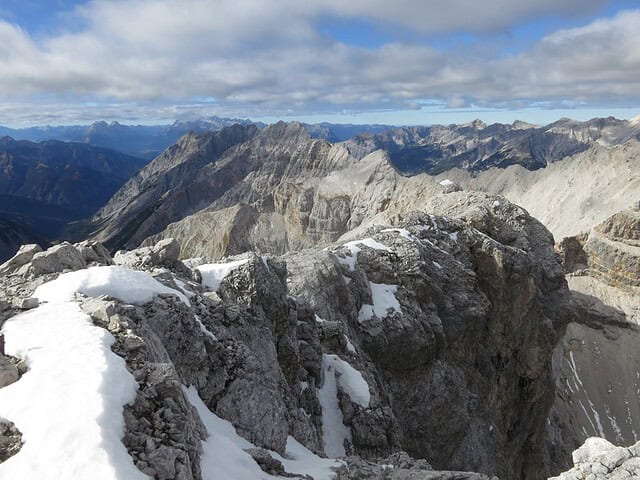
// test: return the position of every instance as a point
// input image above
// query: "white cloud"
(436, 16)
(256, 58)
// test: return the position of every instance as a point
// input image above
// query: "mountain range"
(451, 302)
(316, 191)
(45, 185)
(144, 141)
(148, 141)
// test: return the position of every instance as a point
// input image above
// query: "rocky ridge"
(283, 190)
(461, 307)
(476, 146)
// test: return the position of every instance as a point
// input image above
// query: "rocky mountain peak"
(283, 131)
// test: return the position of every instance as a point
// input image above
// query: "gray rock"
(94, 253)
(267, 463)
(100, 309)
(8, 372)
(57, 259)
(10, 440)
(598, 459)
(26, 303)
(426, 359)
(399, 466)
(163, 254)
(24, 256)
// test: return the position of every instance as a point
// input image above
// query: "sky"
(344, 61)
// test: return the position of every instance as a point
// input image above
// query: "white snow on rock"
(204, 329)
(404, 233)
(349, 379)
(447, 183)
(183, 287)
(350, 346)
(214, 273)
(303, 461)
(590, 449)
(334, 431)
(224, 457)
(384, 300)
(69, 404)
(128, 286)
(354, 248)
(336, 371)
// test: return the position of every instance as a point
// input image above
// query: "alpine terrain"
(445, 302)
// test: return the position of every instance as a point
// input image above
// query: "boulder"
(598, 459)
(10, 440)
(26, 303)
(24, 256)
(8, 372)
(94, 253)
(57, 259)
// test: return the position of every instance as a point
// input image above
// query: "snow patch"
(384, 300)
(128, 286)
(183, 287)
(204, 329)
(353, 247)
(334, 431)
(350, 346)
(224, 457)
(349, 379)
(214, 273)
(69, 405)
(336, 371)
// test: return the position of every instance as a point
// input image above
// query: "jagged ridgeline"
(278, 189)
(270, 304)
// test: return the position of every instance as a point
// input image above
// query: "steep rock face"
(597, 361)
(456, 323)
(290, 211)
(434, 336)
(247, 173)
(170, 177)
(609, 268)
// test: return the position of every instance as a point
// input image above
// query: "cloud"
(436, 16)
(256, 58)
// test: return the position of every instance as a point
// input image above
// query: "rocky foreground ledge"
(420, 350)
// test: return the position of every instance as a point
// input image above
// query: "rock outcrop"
(597, 360)
(598, 459)
(432, 336)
